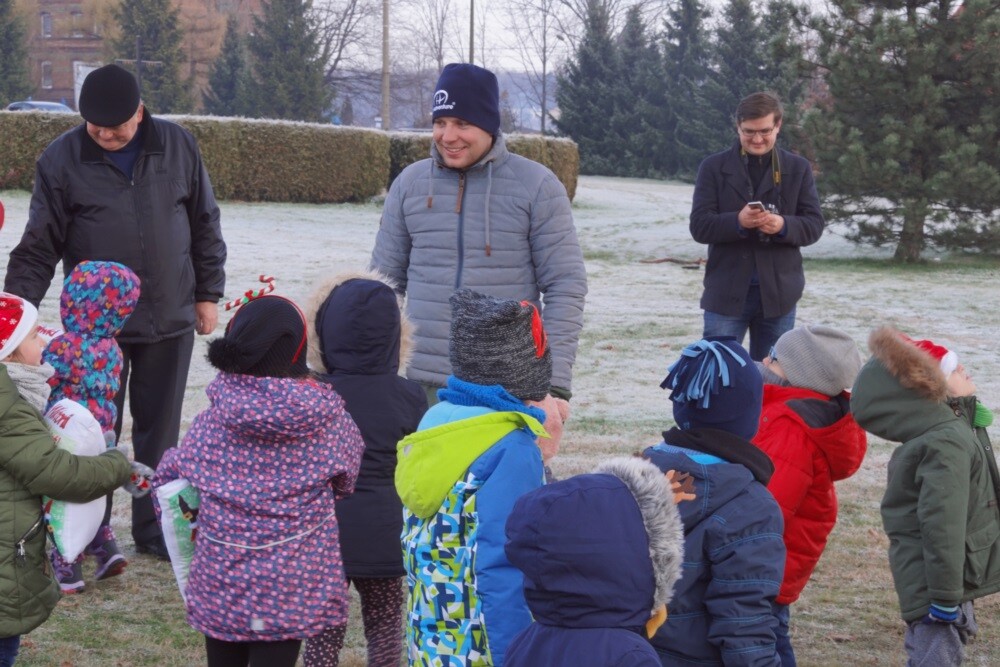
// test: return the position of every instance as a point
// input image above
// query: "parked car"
(33, 105)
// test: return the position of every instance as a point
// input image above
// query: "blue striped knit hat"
(716, 385)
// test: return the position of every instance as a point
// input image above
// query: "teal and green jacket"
(458, 480)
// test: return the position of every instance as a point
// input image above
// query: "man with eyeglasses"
(755, 205)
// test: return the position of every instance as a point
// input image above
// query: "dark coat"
(720, 192)
(734, 556)
(360, 345)
(163, 224)
(598, 553)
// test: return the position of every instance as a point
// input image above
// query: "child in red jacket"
(807, 429)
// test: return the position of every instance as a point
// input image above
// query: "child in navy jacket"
(360, 343)
(734, 556)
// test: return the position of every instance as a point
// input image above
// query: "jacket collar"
(151, 141)
(734, 171)
(726, 446)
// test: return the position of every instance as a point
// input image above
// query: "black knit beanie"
(468, 92)
(266, 338)
(499, 341)
(109, 96)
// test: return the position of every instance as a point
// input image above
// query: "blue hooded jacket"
(599, 553)
(734, 555)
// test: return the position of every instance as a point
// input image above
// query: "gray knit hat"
(818, 357)
(499, 341)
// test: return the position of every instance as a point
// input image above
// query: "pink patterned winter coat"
(268, 458)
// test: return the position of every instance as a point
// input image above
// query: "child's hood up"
(598, 550)
(98, 297)
(901, 392)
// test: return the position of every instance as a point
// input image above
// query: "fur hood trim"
(912, 367)
(322, 292)
(659, 515)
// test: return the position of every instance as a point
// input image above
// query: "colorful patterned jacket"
(268, 457)
(97, 299)
(458, 477)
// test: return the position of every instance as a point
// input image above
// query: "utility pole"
(472, 31)
(139, 62)
(385, 64)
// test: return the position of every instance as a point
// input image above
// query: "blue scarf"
(494, 396)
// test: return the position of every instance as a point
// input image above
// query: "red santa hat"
(1, 215)
(17, 320)
(945, 357)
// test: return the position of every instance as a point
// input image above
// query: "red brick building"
(66, 38)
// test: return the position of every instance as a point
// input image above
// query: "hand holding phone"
(756, 205)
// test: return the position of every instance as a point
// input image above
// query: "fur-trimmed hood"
(598, 550)
(365, 334)
(901, 391)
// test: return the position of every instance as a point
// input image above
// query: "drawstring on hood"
(485, 162)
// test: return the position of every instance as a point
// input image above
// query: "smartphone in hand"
(756, 205)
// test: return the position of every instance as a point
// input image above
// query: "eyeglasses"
(763, 134)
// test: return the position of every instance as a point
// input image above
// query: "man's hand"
(773, 224)
(206, 316)
(752, 218)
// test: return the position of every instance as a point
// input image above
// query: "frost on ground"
(638, 317)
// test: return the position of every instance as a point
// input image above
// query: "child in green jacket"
(31, 466)
(941, 508)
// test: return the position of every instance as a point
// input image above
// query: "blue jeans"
(764, 331)
(8, 650)
(783, 643)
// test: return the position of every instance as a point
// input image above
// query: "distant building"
(66, 40)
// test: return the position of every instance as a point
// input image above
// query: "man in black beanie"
(476, 216)
(127, 187)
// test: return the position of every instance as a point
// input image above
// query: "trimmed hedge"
(278, 161)
(559, 155)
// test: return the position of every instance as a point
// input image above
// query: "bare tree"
(573, 18)
(348, 30)
(536, 31)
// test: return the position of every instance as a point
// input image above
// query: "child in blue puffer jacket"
(734, 555)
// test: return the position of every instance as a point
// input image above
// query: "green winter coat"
(31, 466)
(941, 508)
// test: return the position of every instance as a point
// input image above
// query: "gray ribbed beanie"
(493, 342)
(818, 357)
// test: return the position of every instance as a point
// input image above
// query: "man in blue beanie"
(476, 216)
(734, 555)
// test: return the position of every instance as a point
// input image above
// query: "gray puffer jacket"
(502, 227)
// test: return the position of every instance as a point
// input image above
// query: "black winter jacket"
(163, 224)
(359, 338)
(721, 191)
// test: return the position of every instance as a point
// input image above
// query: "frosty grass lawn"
(639, 315)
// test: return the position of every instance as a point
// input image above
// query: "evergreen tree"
(909, 141)
(688, 131)
(586, 92)
(229, 80)
(14, 81)
(638, 92)
(288, 64)
(150, 31)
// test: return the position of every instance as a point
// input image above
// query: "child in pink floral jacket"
(269, 458)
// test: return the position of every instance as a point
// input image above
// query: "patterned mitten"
(138, 484)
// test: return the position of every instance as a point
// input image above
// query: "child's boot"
(69, 574)
(110, 561)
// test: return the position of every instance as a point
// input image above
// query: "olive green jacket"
(31, 466)
(941, 508)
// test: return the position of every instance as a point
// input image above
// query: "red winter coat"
(813, 441)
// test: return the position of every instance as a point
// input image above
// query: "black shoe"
(156, 548)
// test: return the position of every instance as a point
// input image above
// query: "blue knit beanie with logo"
(468, 92)
(716, 385)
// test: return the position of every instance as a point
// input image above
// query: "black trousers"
(154, 376)
(254, 654)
